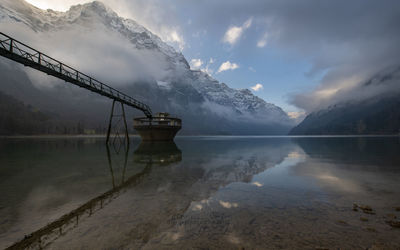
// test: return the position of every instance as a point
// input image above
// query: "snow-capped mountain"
(243, 101)
(86, 15)
(166, 81)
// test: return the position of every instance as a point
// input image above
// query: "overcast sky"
(291, 53)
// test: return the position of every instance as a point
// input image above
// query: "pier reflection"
(166, 196)
(111, 162)
(162, 153)
(211, 192)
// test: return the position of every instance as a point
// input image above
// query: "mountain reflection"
(163, 190)
(225, 192)
(164, 196)
(353, 165)
(367, 152)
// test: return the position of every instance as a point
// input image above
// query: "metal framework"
(26, 55)
(121, 118)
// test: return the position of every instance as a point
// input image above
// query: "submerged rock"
(391, 216)
(393, 223)
(342, 222)
(365, 208)
(370, 229)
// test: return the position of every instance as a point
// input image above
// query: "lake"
(201, 192)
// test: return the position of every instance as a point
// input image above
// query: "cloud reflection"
(227, 204)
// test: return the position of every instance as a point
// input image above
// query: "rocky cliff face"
(161, 76)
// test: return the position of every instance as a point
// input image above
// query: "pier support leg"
(110, 122)
(116, 126)
(126, 126)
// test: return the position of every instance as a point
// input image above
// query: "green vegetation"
(18, 118)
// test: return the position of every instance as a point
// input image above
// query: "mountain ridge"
(376, 113)
(179, 89)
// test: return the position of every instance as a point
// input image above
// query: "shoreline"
(183, 136)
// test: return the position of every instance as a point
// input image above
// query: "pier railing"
(22, 53)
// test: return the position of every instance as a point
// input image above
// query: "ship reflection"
(157, 153)
(149, 154)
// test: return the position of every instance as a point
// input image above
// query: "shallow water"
(202, 192)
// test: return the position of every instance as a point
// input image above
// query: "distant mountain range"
(205, 105)
(376, 114)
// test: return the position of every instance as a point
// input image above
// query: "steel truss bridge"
(30, 57)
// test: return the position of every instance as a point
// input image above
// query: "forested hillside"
(17, 118)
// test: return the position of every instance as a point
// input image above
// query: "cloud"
(208, 70)
(257, 184)
(56, 5)
(196, 63)
(109, 59)
(263, 41)
(379, 86)
(158, 16)
(257, 87)
(252, 69)
(296, 114)
(344, 42)
(233, 34)
(227, 66)
(248, 23)
(172, 35)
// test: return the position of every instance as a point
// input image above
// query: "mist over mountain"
(372, 107)
(120, 52)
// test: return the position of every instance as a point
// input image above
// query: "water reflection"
(110, 162)
(204, 192)
(160, 153)
(159, 208)
(48, 234)
(157, 153)
(382, 152)
(362, 168)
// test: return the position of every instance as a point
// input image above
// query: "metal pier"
(30, 57)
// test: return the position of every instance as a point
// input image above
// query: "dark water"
(202, 192)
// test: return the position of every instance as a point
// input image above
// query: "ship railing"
(158, 121)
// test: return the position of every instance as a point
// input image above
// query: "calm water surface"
(202, 192)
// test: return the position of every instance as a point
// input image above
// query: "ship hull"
(161, 127)
(157, 133)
